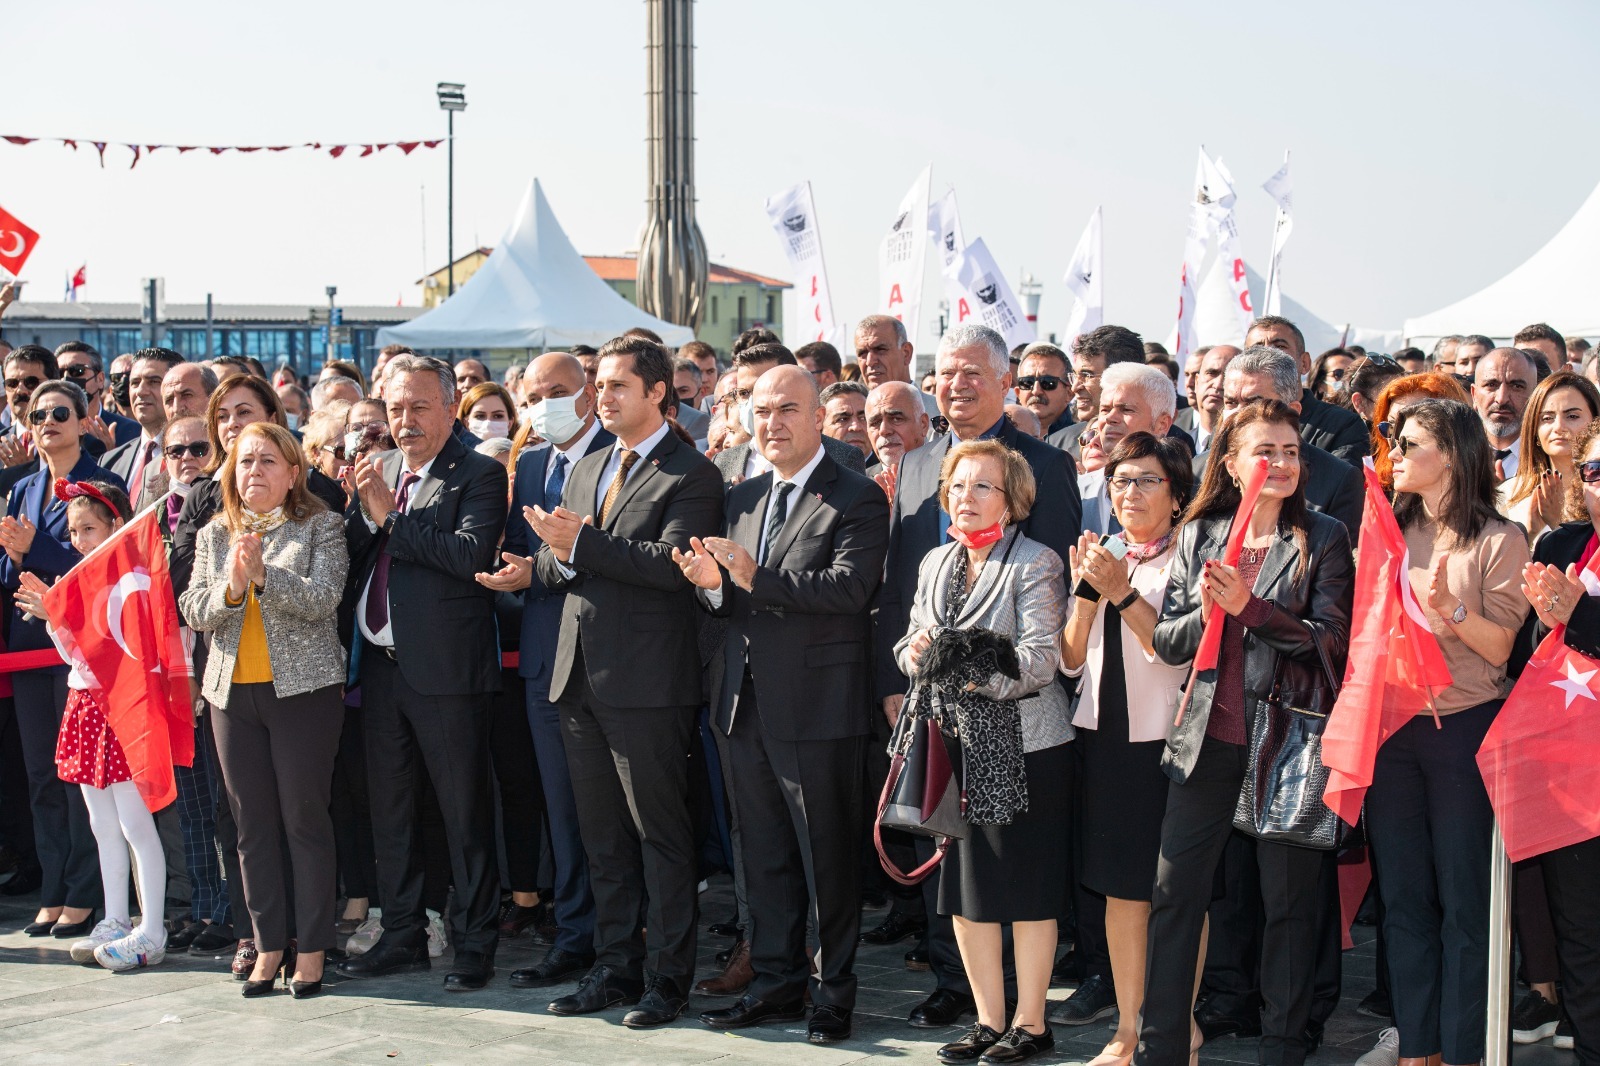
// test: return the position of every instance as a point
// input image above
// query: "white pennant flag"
(1282, 191)
(980, 294)
(795, 220)
(903, 254)
(944, 225)
(1084, 282)
(1228, 248)
(1210, 215)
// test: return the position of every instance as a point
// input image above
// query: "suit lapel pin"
(655, 462)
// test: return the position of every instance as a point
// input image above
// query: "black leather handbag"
(1281, 799)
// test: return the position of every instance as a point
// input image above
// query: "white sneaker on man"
(1386, 1052)
(104, 932)
(438, 939)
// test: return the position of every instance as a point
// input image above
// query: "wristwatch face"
(1460, 614)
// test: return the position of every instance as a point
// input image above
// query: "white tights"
(121, 820)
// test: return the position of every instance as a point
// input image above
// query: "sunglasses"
(198, 449)
(1403, 445)
(55, 414)
(79, 371)
(30, 382)
(335, 450)
(1335, 375)
(1589, 472)
(1388, 362)
(1047, 382)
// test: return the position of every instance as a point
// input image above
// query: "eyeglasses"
(197, 449)
(55, 414)
(78, 371)
(1047, 382)
(1146, 483)
(978, 490)
(351, 427)
(32, 381)
(1589, 472)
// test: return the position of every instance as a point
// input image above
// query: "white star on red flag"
(1577, 684)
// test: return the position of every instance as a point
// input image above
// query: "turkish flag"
(16, 242)
(1395, 664)
(1540, 760)
(118, 607)
(81, 278)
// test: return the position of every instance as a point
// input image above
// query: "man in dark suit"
(1333, 429)
(564, 415)
(627, 679)
(425, 521)
(80, 362)
(130, 461)
(974, 372)
(743, 461)
(801, 556)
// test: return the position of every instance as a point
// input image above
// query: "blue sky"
(1435, 145)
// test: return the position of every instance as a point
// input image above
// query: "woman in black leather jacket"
(1291, 592)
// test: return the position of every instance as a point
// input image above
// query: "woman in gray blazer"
(1012, 866)
(268, 574)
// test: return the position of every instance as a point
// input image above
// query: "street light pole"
(332, 291)
(452, 98)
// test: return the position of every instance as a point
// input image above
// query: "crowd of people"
(479, 659)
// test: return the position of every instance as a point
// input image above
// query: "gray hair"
(1438, 345)
(494, 447)
(422, 364)
(682, 365)
(879, 321)
(841, 388)
(976, 336)
(1276, 366)
(1150, 382)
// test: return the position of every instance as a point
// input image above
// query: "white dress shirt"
(385, 636)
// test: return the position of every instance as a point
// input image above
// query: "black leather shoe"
(178, 940)
(1068, 970)
(214, 941)
(731, 929)
(1376, 1004)
(601, 987)
(38, 928)
(1315, 1031)
(471, 972)
(1019, 1045)
(752, 1011)
(829, 1025)
(893, 929)
(384, 959)
(26, 880)
(1215, 1024)
(971, 1045)
(917, 958)
(942, 1008)
(1093, 1000)
(558, 966)
(661, 1003)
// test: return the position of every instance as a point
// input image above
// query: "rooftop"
(99, 312)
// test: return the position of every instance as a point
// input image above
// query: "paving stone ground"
(189, 1010)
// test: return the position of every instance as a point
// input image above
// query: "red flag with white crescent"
(16, 242)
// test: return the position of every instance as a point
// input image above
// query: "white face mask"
(747, 417)
(293, 420)
(556, 418)
(489, 428)
(352, 441)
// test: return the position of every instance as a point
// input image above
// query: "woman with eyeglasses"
(35, 540)
(1427, 812)
(1327, 375)
(1126, 704)
(323, 438)
(1285, 612)
(1560, 409)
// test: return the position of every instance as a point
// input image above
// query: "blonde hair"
(1019, 486)
(299, 505)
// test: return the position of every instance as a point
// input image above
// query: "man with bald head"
(896, 424)
(563, 413)
(794, 572)
(1502, 380)
(186, 390)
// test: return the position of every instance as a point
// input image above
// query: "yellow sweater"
(252, 666)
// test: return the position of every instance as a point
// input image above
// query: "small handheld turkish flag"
(16, 242)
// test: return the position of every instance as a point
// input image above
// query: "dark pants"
(629, 771)
(516, 772)
(1572, 881)
(16, 815)
(67, 852)
(352, 812)
(805, 795)
(1088, 907)
(1536, 932)
(278, 754)
(1196, 829)
(1431, 824)
(228, 835)
(445, 738)
(197, 819)
(574, 902)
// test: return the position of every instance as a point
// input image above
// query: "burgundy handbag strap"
(896, 768)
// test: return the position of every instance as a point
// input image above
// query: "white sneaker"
(1386, 1052)
(131, 952)
(437, 938)
(107, 930)
(366, 935)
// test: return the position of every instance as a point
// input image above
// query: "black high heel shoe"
(253, 988)
(307, 989)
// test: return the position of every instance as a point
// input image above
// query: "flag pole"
(1497, 1049)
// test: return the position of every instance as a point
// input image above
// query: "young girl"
(89, 756)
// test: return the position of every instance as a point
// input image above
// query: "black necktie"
(558, 481)
(776, 513)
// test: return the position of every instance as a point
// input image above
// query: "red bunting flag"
(139, 151)
(1541, 758)
(16, 242)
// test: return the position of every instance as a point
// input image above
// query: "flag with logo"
(1395, 664)
(117, 605)
(903, 254)
(1540, 760)
(1210, 217)
(1282, 192)
(944, 225)
(794, 218)
(980, 294)
(1083, 281)
(16, 242)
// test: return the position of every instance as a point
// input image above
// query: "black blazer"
(1314, 607)
(731, 461)
(1333, 486)
(1333, 429)
(627, 600)
(804, 624)
(1561, 547)
(914, 522)
(443, 620)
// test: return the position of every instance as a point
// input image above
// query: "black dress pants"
(516, 773)
(1572, 882)
(1196, 829)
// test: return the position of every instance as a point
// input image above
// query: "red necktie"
(378, 590)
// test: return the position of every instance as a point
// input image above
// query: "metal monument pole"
(1497, 1045)
(672, 254)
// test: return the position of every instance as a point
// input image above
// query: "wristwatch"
(1127, 601)
(1459, 615)
(389, 521)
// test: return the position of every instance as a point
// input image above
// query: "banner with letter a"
(980, 294)
(902, 255)
(795, 219)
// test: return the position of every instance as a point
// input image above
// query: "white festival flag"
(1084, 282)
(980, 294)
(1281, 190)
(795, 219)
(1228, 249)
(944, 225)
(1210, 215)
(902, 255)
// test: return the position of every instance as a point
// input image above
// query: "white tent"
(534, 291)
(1559, 284)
